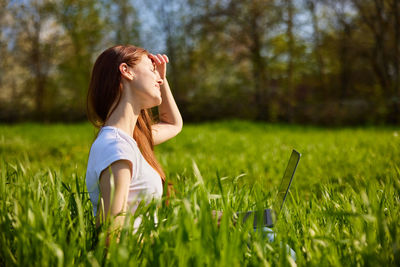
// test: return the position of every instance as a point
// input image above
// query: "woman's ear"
(126, 71)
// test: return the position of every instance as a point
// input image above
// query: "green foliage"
(322, 62)
(343, 207)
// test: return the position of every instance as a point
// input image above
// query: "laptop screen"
(286, 181)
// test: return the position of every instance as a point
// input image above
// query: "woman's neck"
(124, 117)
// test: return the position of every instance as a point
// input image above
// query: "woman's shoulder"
(112, 140)
(111, 146)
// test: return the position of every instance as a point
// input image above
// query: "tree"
(345, 25)
(289, 71)
(3, 43)
(244, 29)
(35, 48)
(126, 24)
(312, 6)
(84, 27)
(381, 18)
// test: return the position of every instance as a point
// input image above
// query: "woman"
(127, 81)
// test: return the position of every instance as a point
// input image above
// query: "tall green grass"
(343, 208)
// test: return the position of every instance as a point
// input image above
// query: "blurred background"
(328, 62)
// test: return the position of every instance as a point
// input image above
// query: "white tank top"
(113, 144)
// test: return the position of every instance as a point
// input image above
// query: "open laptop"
(269, 216)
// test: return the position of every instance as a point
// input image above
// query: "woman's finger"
(160, 58)
(165, 58)
(156, 59)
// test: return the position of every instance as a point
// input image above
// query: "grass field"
(343, 208)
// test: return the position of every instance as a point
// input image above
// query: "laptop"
(270, 216)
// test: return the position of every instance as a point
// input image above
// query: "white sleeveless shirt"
(113, 144)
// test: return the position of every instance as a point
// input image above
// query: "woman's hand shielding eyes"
(161, 64)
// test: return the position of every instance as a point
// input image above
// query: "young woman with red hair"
(126, 81)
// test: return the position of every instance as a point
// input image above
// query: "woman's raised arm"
(170, 118)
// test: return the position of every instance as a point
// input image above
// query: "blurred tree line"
(303, 61)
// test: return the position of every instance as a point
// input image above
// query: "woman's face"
(146, 83)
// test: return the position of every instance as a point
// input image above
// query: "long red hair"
(105, 92)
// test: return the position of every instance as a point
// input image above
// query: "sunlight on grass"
(343, 207)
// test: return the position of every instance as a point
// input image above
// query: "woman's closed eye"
(153, 67)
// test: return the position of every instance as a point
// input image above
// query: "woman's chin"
(156, 102)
